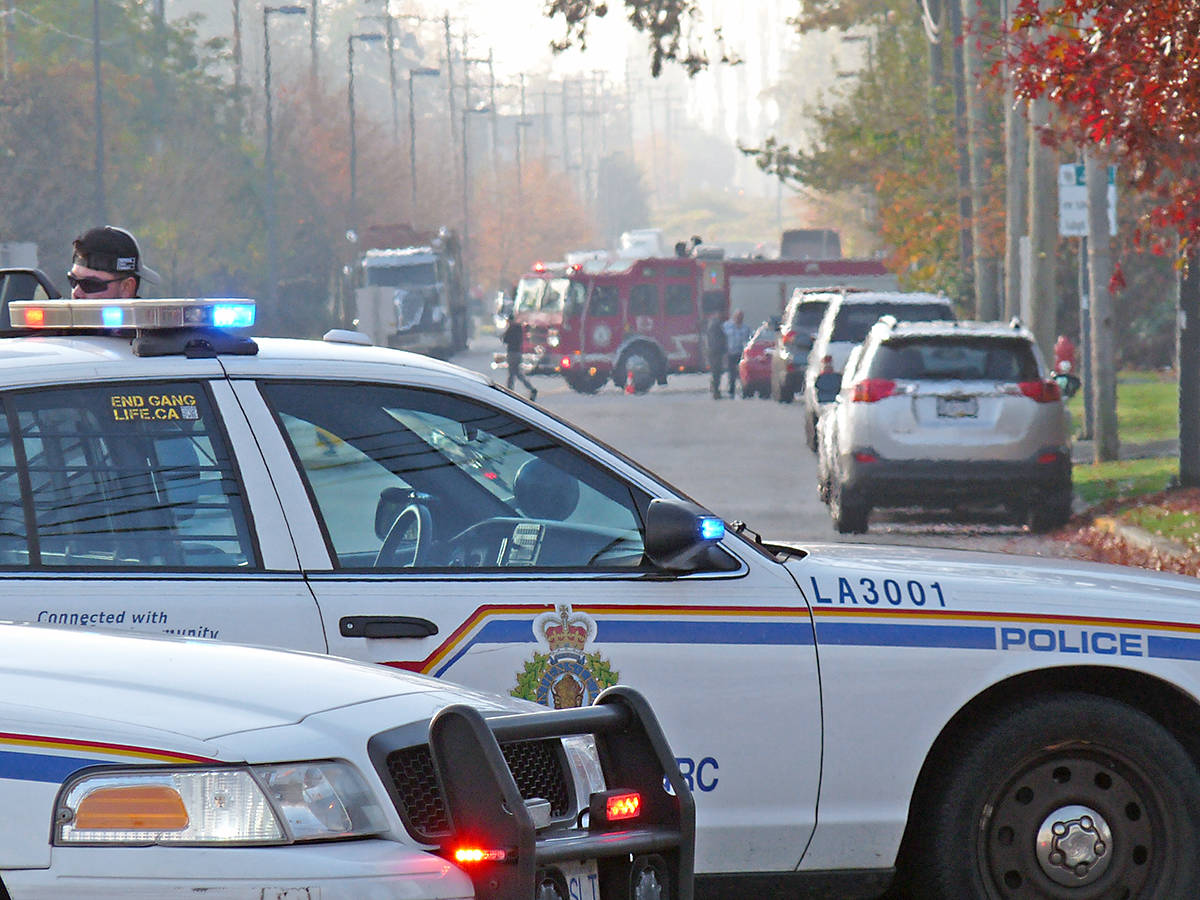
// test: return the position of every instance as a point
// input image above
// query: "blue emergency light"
(711, 528)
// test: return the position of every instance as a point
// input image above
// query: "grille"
(536, 766)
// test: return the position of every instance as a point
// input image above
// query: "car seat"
(544, 491)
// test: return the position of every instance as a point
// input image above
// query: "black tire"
(1050, 512)
(645, 364)
(584, 382)
(1103, 774)
(848, 511)
(810, 431)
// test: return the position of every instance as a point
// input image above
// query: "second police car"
(133, 766)
(979, 725)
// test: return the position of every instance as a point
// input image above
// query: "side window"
(14, 542)
(573, 304)
(123, 476)
(680, 300)
(605, 301)
(411, 478)
(643, 300)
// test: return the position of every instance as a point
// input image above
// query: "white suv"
(848, 318)
(946, 414)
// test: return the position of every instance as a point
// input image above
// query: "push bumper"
(348, 870)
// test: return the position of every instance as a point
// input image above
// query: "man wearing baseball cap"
(107, 262)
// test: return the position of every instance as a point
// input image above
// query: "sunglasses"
(92, 285)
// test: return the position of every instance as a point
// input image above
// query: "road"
(742, 459)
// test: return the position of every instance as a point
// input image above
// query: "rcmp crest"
(567, 675)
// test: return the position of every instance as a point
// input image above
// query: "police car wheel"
(1066, 796)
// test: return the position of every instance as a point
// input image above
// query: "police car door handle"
(386, 627)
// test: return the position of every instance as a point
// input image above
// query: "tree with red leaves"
(1126, 75)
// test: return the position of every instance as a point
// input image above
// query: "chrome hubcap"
(1074, 845)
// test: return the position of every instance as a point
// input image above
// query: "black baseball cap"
(112, 249)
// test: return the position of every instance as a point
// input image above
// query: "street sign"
(1072, 200)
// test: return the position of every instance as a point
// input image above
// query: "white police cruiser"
(133, 766)
(983, 725)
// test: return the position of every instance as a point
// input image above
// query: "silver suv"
(947, 414)
(846, 322)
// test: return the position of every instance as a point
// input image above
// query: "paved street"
(743, 459)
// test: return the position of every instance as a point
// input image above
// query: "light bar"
(133, 313)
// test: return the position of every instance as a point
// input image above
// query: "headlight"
(586, 770)
(275, 804)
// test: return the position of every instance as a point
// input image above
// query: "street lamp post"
(369, 37)
(272, 238)
(412, 130)
(466, 241)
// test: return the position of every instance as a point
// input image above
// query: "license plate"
(583, 879)
(957, 407)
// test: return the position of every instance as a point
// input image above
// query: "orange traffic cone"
(629, 388)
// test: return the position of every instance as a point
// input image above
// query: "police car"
(133, 766)
(980, 725)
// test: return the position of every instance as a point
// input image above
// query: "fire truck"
(645, 317)
(538, 305)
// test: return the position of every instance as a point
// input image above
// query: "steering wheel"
(414, 516)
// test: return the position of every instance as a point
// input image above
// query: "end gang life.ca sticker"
(150, 407)
(567, 675)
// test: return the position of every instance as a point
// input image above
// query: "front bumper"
(939, 482)
(344, 870)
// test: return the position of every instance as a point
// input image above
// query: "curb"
(1141, 538)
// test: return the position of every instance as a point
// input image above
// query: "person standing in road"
(107, 262)
(737, 332)
(714, 351)
(514, 344)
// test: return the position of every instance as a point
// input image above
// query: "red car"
(754, 368)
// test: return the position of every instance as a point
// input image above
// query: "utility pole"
(965, 247)
(9, 10)
(1016, 191)
(986, 266)
(389, 25)
(237, 50)
(101, 203)
(314, 82)
(566, 156)
(492, 116)
(1043, 230)
(1188, 354)
(450, 81)
(1104, 377)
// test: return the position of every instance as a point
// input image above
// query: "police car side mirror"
(682, 537)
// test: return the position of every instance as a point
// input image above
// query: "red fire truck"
(641, 317)
(646, 316)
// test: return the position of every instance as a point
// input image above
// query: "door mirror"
(683, 537)
(1067, 383)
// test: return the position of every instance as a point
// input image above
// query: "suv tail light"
(1041, 391)
(871, 389)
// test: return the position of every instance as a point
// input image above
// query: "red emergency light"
(469, 855)
(607, 807)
